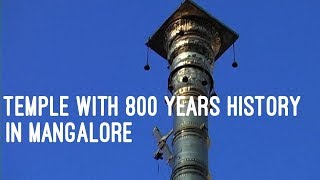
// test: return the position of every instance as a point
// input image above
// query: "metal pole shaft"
(191, 44)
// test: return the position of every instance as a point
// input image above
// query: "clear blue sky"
(82, 47)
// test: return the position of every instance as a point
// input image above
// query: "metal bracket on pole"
(163, 148)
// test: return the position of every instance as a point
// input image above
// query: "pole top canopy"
(189, 9)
